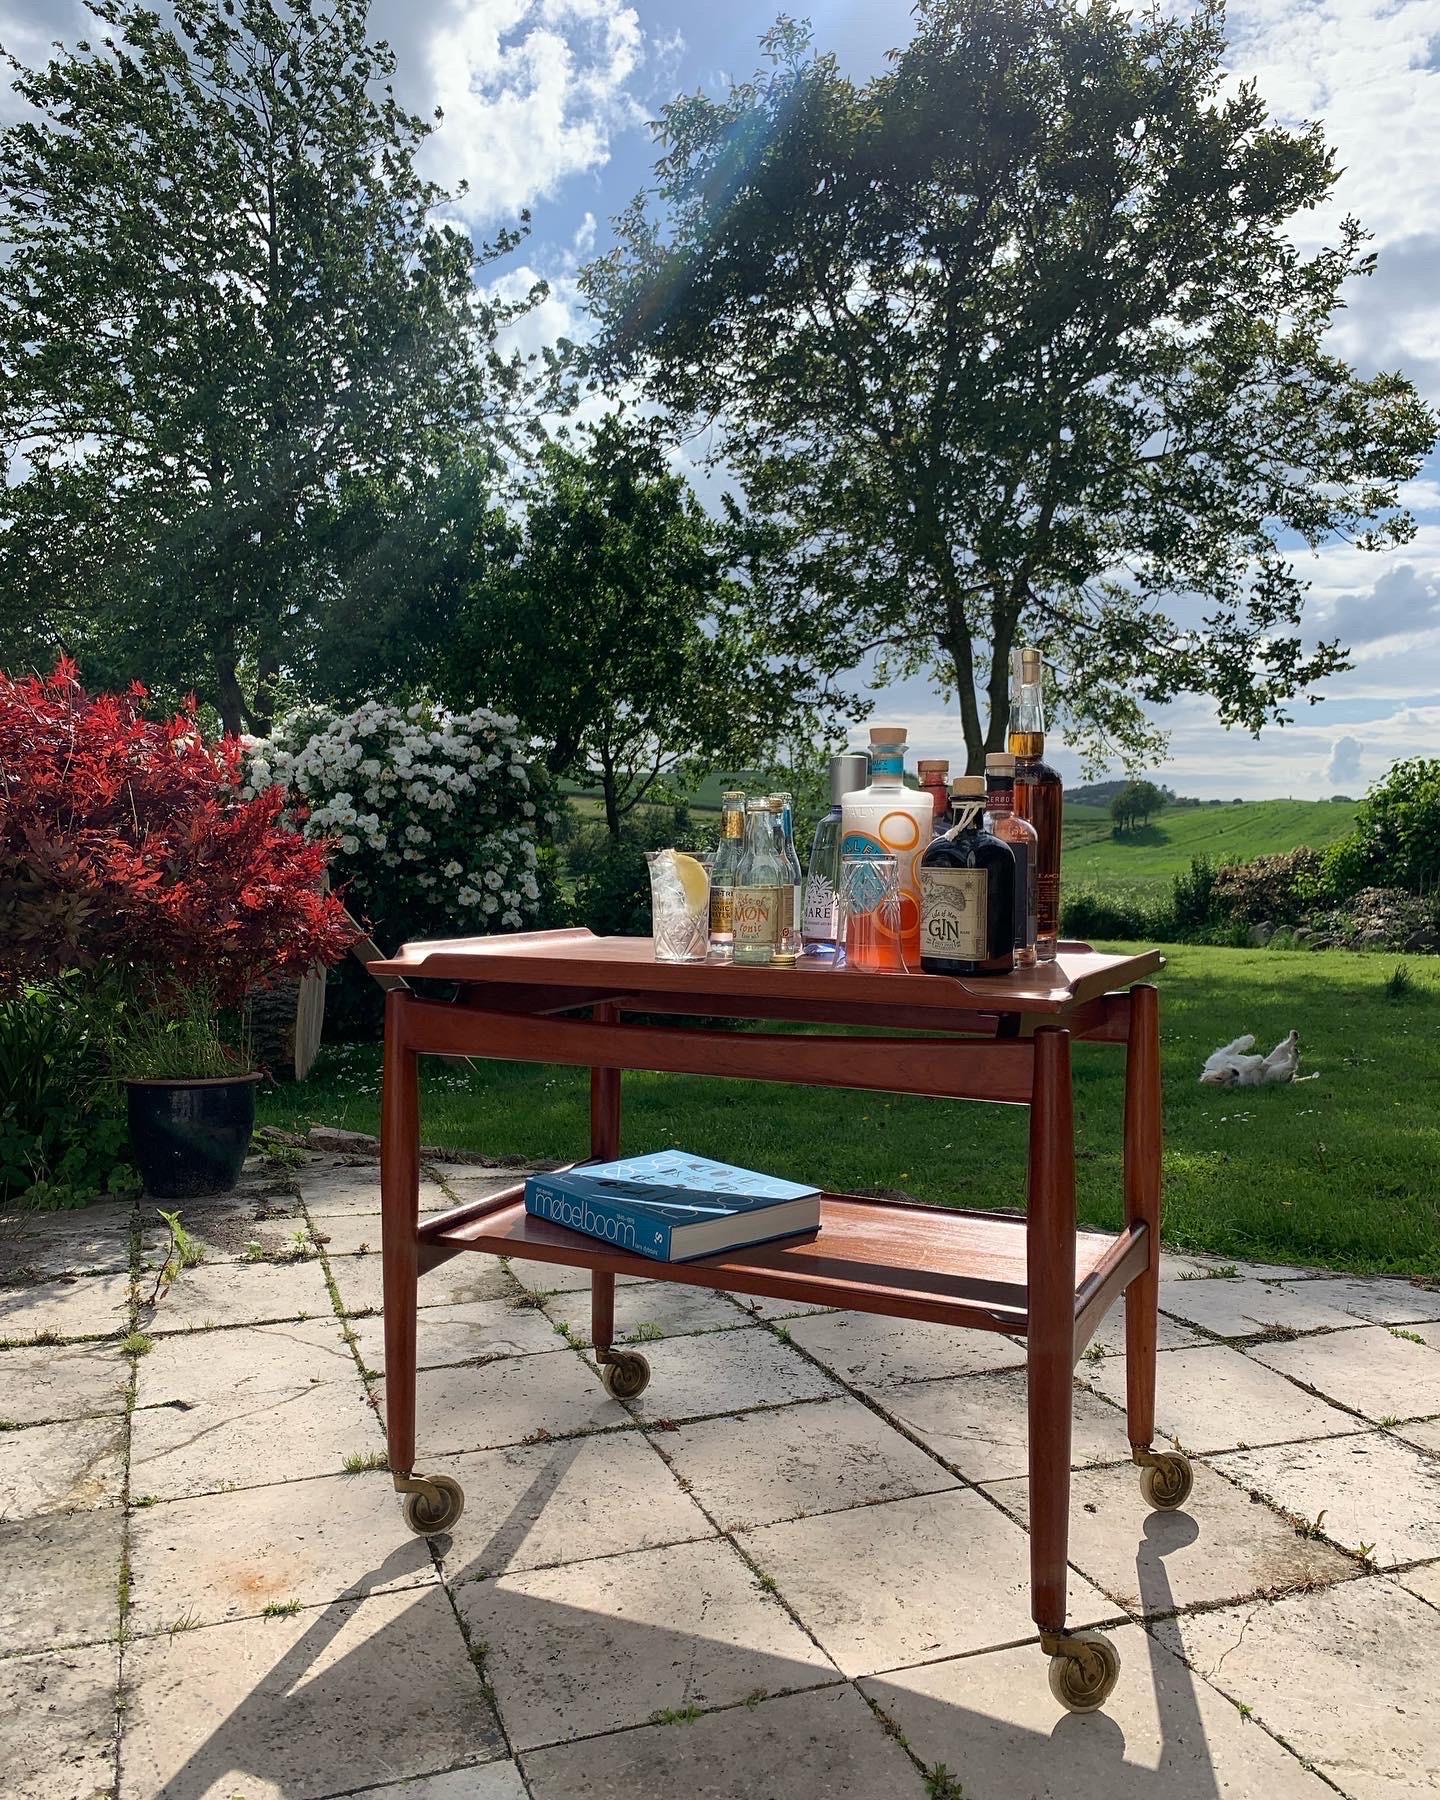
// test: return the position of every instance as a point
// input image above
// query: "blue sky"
(547, 103)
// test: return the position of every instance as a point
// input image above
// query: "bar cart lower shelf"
(1033, 1276)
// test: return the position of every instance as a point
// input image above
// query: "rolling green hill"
(1150, 856)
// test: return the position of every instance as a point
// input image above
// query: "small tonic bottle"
(1001, 822)
(934, 773)
(820, 919)
(792, 855)
(1039, 793)
(760, 884)
(722, 875)
(967, 893)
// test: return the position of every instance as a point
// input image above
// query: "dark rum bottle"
(1000, 820)
(1039, 796)
(967, 893)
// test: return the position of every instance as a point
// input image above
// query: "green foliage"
(1148, 859)
(1019, 311)
(1276, 889)
(612, 881)
(617, 630)
(179, 1037)
(62, 1128)
(1397, 836)
(1092, 916)
(1399, 984)
(232, 339)
(1135, 803)
(1193, 902)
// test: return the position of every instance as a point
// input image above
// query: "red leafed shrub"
(124, 844)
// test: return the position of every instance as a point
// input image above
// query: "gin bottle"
(967, 893)
(889, 819)
(761, 888)
(820, 924)
(722, 875)
(1001, 822)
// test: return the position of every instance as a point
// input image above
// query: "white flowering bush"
(437, 815)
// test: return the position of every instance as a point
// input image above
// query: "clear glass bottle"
(1001, 821)
(820, 916)
(790, 853)
(889, 819)
(1039, 793)
(967, 888)
(934, 773)
(722, 875)
(761, 881)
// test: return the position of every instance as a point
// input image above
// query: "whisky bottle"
(934, 773)
(967, 893)
(1001, 822)
(1039, 795)
(762, 884)
(722, 875)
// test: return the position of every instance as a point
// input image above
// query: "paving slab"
(1425, 1434)
(557, 1278)
(597, 1646)
(75, 1306)
(293, 1708)
(1243, 1307)
(360, 1280)
(727, 1371)
(1221, 1546)
(57, 1724)
(67, 1243)
(479, 1330)
(241, 1293)
(993, 1724)
(766, 1466)
(486, 1781)
(237, 1366)
(61, 1579)
(1372, 1490)
(328, 1192)
(1381, 1300)
(872, 1353)
(348, 1234)
(1170, 1334)
(980, 1424)
(227, 1556)
(536, 1506)
(761, 1306)
(229, 1228)
(275, 1436)
(71, 1381)
(1423, 1580)
(1216, 1398)
(884, 1586)
(1372, 1370)
(61, 1468)
(508, 1402)
(1347, 1677)
(825, 1743)
(650, 1309)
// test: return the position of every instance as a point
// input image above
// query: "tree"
(227, 322)
(1396, 841)
(617, 628)
(1010, 343)
(1137, 800)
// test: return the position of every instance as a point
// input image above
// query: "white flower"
(467, 896)
(452, 868)
(349, 845)
(492, 880)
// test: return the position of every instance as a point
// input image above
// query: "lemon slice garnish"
(692, 878)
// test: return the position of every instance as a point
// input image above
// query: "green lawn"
(1342, 1171)
(1147, 859)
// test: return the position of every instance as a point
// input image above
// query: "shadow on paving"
(311, 1728)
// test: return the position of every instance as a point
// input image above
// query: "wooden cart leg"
(625, 1373)
(1165, 1475)
(1084, 1665)
(432, 1502)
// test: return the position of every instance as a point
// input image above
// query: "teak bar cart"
(564, 997)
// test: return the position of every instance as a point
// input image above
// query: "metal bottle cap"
(1029, 666)
(848, 771)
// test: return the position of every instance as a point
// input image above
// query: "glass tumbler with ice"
(679, 906)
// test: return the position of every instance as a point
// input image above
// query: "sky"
(547, 104)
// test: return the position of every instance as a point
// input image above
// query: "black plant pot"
(190, 1137)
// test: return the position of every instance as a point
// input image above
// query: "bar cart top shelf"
(576, 958)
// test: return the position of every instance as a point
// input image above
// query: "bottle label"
(756, 917)
(822, 909)
(734, 825)
(1024, 896)
(722, 910)
(955, 914)
(887, 762)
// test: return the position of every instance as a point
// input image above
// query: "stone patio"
(795, 1569)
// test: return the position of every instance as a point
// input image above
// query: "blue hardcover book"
(673, 1207)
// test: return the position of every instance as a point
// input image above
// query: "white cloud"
(1343, 769)
(532, 91)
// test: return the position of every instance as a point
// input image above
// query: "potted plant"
(132, 856)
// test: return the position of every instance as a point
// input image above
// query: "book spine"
(609, 1223)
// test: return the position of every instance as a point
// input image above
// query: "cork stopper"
(887, 734)
(968, 787)
(1029, 665)
(999, 762)
(932, 766)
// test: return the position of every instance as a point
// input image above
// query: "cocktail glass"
(870, 912)
(679, 906)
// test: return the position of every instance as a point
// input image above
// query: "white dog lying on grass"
(1231, 1067)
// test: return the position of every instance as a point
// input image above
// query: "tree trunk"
(228, 697)
(612, 800)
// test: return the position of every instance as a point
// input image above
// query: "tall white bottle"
(889, 819)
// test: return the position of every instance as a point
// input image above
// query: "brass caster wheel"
(625, 1374)
(436, 1506)
(1084, 1670)
(1166, 1481)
